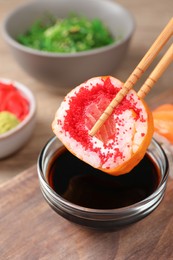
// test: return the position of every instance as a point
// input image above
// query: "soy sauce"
(85, 186)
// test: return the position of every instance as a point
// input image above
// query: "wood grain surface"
(150, 18)
(31, 230)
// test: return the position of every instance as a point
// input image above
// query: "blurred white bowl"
(15, 138)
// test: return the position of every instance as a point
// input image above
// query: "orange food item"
(121, 142)
(163, 121)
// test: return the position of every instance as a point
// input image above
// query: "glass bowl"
(98, 218)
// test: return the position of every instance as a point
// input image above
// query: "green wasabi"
(7, 121)
(68, 35)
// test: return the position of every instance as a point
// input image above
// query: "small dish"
(13, 139)
(104, 218)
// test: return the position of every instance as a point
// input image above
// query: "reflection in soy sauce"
(85, 186)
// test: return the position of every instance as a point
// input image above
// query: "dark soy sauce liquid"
(85, 186)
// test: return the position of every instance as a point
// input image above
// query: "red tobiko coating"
(12, 100)
(75, 119)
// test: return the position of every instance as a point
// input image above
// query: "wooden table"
(29, 228)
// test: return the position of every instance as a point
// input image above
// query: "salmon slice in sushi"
(121, 142)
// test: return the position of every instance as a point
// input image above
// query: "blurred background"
(150, 18)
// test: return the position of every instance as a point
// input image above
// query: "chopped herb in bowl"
(69, 35)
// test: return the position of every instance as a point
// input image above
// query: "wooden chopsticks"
(138, 72)
(156, 73)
